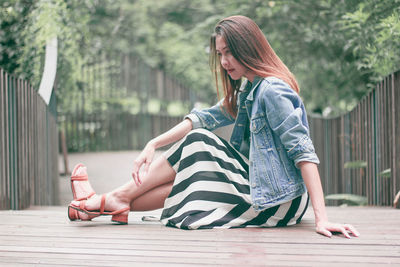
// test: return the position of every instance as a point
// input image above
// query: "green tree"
(338, 50)
(27, 25)
(13, 19)
(372, 32)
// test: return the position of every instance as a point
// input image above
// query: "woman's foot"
(81, 190)
(80, 185)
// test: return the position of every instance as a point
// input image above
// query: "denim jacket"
(279, 139)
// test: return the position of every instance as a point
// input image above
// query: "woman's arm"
(312, 180)
(174, 134)
(146, 156)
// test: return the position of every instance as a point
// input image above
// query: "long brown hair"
(250, 48)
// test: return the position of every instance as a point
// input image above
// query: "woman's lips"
(230, 71)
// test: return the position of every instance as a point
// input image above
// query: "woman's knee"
(199, 135)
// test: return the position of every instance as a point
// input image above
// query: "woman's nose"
(224, 62)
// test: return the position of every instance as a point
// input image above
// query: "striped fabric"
(211, 188)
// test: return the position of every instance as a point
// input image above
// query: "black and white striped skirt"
(211, 188)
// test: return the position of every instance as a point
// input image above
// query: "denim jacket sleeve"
(287, 117)
(210, 118)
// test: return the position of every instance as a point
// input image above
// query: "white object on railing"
(49, 72)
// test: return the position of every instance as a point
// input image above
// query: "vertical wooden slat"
(396, 135)
(32, 141)
(7, 140)
(383, 139)
(3, 123)
(377, 142)
(385, 130)
(19, 144)
(38, 150)
(12, 138)
(26, 143)
(393, 170)
(368, 149)
(389, 139)
(372, 153)
(342, 154)
(361, 144)
(361, 135)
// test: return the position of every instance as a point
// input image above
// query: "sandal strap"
(87, 197)
(79, 178)
(120, 211)
(103, 203)
(82, 204)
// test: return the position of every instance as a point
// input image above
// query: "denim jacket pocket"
(290, 170)
(258, 128)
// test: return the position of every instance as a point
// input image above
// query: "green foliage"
(173, 36)
(177, 108)
(349, 199)
(386, 173)
(373, 32)
(355, 164)
(321, 42)
(45, 22)
(338, 50)
(34, 23)
(327, 44)
(13, 20)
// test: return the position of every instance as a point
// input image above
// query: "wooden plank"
(119, 261)
(45, 236)
(322, 255)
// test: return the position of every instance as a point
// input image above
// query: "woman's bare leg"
(159, 173)
(152, 199)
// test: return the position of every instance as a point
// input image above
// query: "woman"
(263, 177)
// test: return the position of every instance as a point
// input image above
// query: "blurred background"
(119, 58)
(127, 70)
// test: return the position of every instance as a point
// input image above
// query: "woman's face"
(229, 62)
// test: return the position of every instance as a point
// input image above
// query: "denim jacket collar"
(254, 86)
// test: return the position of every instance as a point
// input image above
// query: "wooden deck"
(45, 236)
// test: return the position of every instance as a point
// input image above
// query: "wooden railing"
(360, 151)
(28, 146)
(113, 130)
(112, 108)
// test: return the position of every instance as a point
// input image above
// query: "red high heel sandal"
(73, 214)
(119, 216)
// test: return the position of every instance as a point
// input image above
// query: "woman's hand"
(326, 228)
(311, 178)
(145, 157)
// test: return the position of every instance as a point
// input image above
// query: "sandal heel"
(120, 218)
(73, 215)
